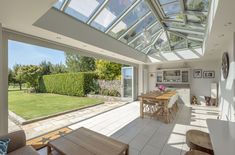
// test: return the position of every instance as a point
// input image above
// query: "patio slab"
(44, 126)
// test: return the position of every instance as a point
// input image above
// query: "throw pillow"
(3, 146)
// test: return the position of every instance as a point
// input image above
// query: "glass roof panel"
(178, 17)
(193, 43)
(172, 8)
(110, 13)
(59, 4)
(143, 43)
(150, 19)
(162, 2)
(184, 27)
(139, 11)
(83, 10)
(176, 41)
(162, 43)
(197, 5)
(197, 19)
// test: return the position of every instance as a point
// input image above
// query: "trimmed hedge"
(72, 84)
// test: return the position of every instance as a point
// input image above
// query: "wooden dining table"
(158, 97)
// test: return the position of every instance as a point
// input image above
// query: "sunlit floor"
(149, 136)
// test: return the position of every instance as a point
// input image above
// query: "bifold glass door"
(127, 82)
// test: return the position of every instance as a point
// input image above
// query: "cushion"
(3, 146)
(26, 150)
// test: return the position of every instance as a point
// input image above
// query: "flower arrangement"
(161, 87)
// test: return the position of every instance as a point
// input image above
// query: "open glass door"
(127, 83)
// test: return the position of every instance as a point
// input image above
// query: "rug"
(41, 141)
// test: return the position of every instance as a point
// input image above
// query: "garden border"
(21, 121)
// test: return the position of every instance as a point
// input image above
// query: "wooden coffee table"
(86, 142)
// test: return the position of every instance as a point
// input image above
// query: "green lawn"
(31, 106)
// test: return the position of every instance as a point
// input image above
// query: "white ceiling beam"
(191, 24)
(185, 31)
(64, 5)
(195, 38)
(98, 11)
(122, 16)
(183, 9)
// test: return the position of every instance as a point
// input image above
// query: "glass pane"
(197, 5)
(178, 17)
(194, 44)
(139, 11)
(196, 19)
(180, 45)
(162, 43)
(81, 9)
(150, 19)
(184, 27)
(172, 8)
(59, 4)
(127, 74)
(141, 40)
(162, 2)
(174, 39)
(110, 13)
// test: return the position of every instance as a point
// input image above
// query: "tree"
(11, 76)
(49, 68)
(107, 70)
(46, 67)
(87, 64)
(31, 75)
(77, 63)
(16, 76)
(58, 68)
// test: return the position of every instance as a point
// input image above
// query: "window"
(110, 13)
(83, 10)
(139, 11)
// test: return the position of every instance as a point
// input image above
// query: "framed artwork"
(209, 74)
(197, 73)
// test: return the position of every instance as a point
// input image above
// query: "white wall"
(227, 93)
(199, 87)
(3, 83)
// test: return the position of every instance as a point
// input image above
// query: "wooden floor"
(148, 136)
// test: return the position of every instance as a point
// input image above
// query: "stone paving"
(44, 126)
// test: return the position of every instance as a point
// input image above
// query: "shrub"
(107, 92)
(72, 84)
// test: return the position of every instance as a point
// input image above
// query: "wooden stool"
(195, 152)
(198, 140)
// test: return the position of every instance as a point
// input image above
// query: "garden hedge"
(72, 84)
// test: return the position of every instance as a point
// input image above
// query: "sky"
(26, 54)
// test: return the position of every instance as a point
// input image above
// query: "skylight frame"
(194, 31)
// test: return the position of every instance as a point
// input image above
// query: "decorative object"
(225, 65)
(151, 74)
(209, 74)
(161, 88)
(194, 100)
(4, 145)
(197, 73)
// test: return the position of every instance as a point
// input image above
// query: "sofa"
(17, 145)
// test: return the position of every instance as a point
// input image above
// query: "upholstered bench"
(17, 144)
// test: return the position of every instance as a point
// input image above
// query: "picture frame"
(208, 74)
(197, 73)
